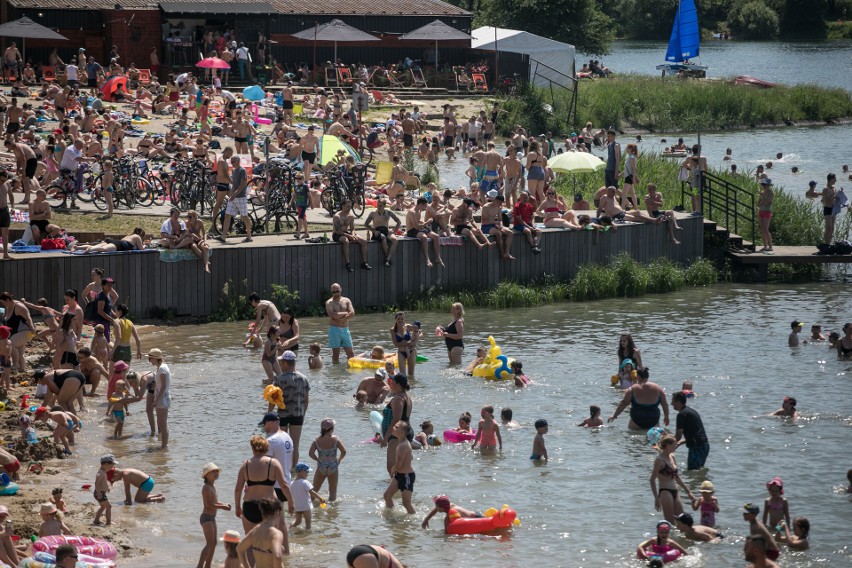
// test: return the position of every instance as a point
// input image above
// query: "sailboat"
(684, 43)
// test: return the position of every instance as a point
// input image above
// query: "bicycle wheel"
(181, 196)
(87, 193)
(99, 196)
(280, 221)
(358, 204)
(126, 194)
(330, 201)
(159, 191)
(143, 191)
(237, 226)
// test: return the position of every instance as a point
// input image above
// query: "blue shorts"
(119, 415)
(487, 227)
(488, 184)
(697, 457)
(519, 228)
(339, 337)
(147, 485)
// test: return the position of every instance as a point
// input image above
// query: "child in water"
(708, 504)
(686, 389)
(506, 419)
(324, 450)
(402, 472)
(100, 346)
(231, 540)
(426, 437)
(594, 419)
(627, 374)
(56, 499)
(314, 359)
(52, 524)
(120, 400)
(464, 423)
(775, 508)
(816, 333)
(478, 360)
(302, 492)
(521, 380)
(451, 510)
(488, 434)
(361, 397)
(211, 504)
(539, 451)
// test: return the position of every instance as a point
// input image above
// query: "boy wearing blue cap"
(303, 491)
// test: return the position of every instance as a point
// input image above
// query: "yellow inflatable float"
(496, 365)
(274, 396)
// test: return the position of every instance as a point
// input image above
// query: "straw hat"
(155, 354)
(707, 487)
(47, 508)
(230, 536)
(208, 467)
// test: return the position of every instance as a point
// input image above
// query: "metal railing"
(562, 80)
(723, 202)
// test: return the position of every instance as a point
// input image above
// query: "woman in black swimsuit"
(844, 344)
(63, 385)
(665, 475)
(258, 476)
(399, 408)
(370, 556)
(269, 359)
(454, 334)
(288, 332)
(645, 399)
(17, 318)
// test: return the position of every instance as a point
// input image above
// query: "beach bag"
(842, 247)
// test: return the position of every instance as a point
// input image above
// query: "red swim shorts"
(12, 467)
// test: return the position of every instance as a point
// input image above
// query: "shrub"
(754, 20)
(233, 305)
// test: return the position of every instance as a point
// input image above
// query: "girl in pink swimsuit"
(488, 433)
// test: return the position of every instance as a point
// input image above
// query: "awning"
(190, 7)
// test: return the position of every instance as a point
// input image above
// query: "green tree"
(804, 18)
(753, 20)
(646, 19)
(578, 22)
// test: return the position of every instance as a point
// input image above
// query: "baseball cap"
(442, 501)
(302, 466)
(108, 458)
(287, 356)
(796, 323)
(268, 417)
(686, 519)
(492, 194)
(381, 373)
(751, 509)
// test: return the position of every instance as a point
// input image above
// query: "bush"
(754, 20)
(702, 272)
(665, 276)
(283, 298)
(233, 305)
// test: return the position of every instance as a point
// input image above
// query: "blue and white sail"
(684, 42)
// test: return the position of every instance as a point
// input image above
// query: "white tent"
(550, 60)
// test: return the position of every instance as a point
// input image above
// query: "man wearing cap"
(280, 448)
(689, 430)
(295, 389)
(492, 223)
(698, 533)
(376, 387)
(759, 531)
(309, 146)
(796, 328)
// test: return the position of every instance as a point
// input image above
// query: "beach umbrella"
(254, 93)
(113, 84)
(26, 28)
(436, 31)
(328, 147)
(335, 31)
(573, 162)
(213, 63)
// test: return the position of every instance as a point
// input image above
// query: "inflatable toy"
(654, 435)
(2, 406)
(10, 489)
(140, 121)
(273, 395)
(376, 421)
(688, 393)
(363, 361)
(492, 521)
(453, 437)
(496, 365)
(96, 547)
(662, 554)
(82, 560)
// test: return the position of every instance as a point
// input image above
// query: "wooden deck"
(790, 255)
(145, 283)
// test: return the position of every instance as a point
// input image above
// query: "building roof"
(296, 7)
(372, 8)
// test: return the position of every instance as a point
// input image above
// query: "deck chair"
(479, 81)
(344, 76)
(330, 76)
(144, 76)
(48, 73)
(383, 172)
(378, 97)
(394, 80)
(417, 78)
(412, 183)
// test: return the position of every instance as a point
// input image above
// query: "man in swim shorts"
(339, 310)
(139, 479)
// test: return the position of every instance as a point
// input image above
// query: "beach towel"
(178, 255)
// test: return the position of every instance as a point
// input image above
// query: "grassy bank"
(653, 103)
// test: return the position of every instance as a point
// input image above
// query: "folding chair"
(344, 76)
(48, 73)
(417, 78)
(370, 78)
(144, 76)
(479, 82)
(394, 80)
(330, 76)
(378, 97)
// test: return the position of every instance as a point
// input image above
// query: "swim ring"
(83, 560)
(496, 365)
(493, 520)
(363, 361)
(10, 489)
(273, 395)
(453, 437)
(140, 121)
(96, 547)
(665, 553)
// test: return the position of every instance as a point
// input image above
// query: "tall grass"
(634, 101)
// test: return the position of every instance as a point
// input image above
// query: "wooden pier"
(790, 255)
(148, 285)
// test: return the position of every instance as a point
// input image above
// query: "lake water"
(591, 504)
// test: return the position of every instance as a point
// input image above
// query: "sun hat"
(302, 466)
(231, 536)
(40, 411)
(327, 424)
(492, 194)
(155, 354)
(208, 467)
(287, 356)
(707, 487)
(777, 482)
(47, 508)
(442, 501)
(121, 366)
(627, 361)
(4, 510)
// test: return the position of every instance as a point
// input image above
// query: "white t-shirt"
(181, 79)
(69, 158)
(300, 489)
(71, 72)
(167, 226)
(243, 53)
(163, 381)
(281, 448)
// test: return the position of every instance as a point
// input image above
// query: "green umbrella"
(328, 147)
(573, 162)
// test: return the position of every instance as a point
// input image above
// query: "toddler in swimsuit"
(708, 504)
(314, 359)
(775, 509)
(302, 492)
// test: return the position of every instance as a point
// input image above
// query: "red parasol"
(213, 63)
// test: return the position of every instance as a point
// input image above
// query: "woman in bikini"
(400, 338)
(370, 556)
(552, 207)
(269, 360)
(266, 543)
(128, 243)
(535, 171)
(65, 342)
(288, 332)
(256, 482)
(844, 344)
(665, 479)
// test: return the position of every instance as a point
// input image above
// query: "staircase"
(727, 208)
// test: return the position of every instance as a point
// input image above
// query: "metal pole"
(314, 69)
(496, 61)
(700, 177)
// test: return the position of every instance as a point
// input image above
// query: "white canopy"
(550, 60)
